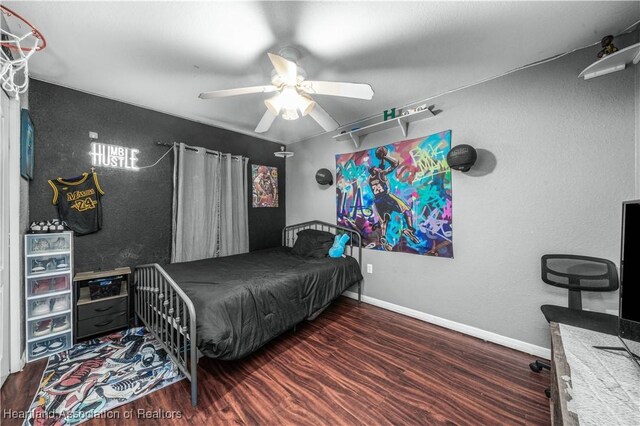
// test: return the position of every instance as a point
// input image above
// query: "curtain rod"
(207, 151)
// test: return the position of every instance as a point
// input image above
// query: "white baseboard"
(518, 345)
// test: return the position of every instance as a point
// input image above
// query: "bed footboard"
(289, 235)
(168, 313)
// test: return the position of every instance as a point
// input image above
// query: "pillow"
(313, 243)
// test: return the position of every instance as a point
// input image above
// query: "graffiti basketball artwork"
(265, 186)
(398, 196)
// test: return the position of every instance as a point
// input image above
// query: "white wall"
(637, 131)
(565, 159)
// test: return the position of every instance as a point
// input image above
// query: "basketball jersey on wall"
(79, 202)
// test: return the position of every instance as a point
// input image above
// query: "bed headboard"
(289, 235)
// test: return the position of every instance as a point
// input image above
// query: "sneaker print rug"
(101, 374)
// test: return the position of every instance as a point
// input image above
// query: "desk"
(591, 386)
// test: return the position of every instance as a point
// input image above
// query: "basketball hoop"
(14, 57)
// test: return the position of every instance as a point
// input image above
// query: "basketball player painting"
(266, 188)
(386, 203)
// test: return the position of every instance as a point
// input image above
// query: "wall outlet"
(369, 268)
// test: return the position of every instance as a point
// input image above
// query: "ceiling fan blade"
(323, 118)
(265, 121)
(236, 92)
(334, 88)
(287, 70)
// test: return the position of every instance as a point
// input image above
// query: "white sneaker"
(38, 265)
(42, 328)
(56, 344)
(60, 244)
(56, 226)
(60, 263)
(60, 324)
(40, 307)
(60, 304)
(38, 228)
(38, 349)
(41, 244)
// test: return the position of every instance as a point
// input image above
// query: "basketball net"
(15, 52)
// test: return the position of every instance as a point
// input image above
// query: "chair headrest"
(579, 272)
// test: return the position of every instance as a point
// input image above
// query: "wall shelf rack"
(403, 122)
(614, 62)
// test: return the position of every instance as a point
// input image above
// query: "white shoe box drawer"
(48, 306)
(51, 284)
(43, 243)
(54, 324)
(46, 347)
(45, 264)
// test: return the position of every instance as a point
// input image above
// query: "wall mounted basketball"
(462, 157)
(324, 177)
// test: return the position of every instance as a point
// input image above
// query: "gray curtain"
(234, 220)
(210, 216)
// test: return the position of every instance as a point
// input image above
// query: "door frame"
(14, 283)
(5, 302)
(15, 239)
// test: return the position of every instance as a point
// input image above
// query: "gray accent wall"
(557, 158)
(137, 205)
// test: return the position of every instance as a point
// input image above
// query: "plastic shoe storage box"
(49, 327)
(48, 304)
(44, 307)
(46, 265)
(45, 347)
(46, 286)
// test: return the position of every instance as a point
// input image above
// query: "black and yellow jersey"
(378, 183)
(78, 202)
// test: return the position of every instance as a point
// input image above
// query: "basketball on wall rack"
(324, 177)
(462, 157)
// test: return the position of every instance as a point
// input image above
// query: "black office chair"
(577, 274)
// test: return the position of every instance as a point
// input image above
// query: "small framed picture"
(27, 139)
(265, 186)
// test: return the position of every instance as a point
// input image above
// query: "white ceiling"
(161, 55)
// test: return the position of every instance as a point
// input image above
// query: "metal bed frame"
(168, 313)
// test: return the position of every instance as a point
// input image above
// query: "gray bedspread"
(243, 301)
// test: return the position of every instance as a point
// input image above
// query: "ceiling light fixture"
(293, 93)
(289, 97)
(289, 101)
(282, 153)
(290, 114)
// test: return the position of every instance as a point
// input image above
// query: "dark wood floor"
(355, 364)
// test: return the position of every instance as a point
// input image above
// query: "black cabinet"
(101, 300)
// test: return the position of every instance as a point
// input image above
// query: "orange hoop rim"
(34, 32)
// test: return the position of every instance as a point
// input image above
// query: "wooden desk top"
(560, 382)
(592, 386)
(92, 275)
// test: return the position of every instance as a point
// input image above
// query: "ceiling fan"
(293, 94)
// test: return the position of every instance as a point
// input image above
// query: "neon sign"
(105, 155)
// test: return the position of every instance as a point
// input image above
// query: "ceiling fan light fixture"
(274, 104)
(288, 103)
(290, 114)
(289, 97)
(293, 93)
(305, 104)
